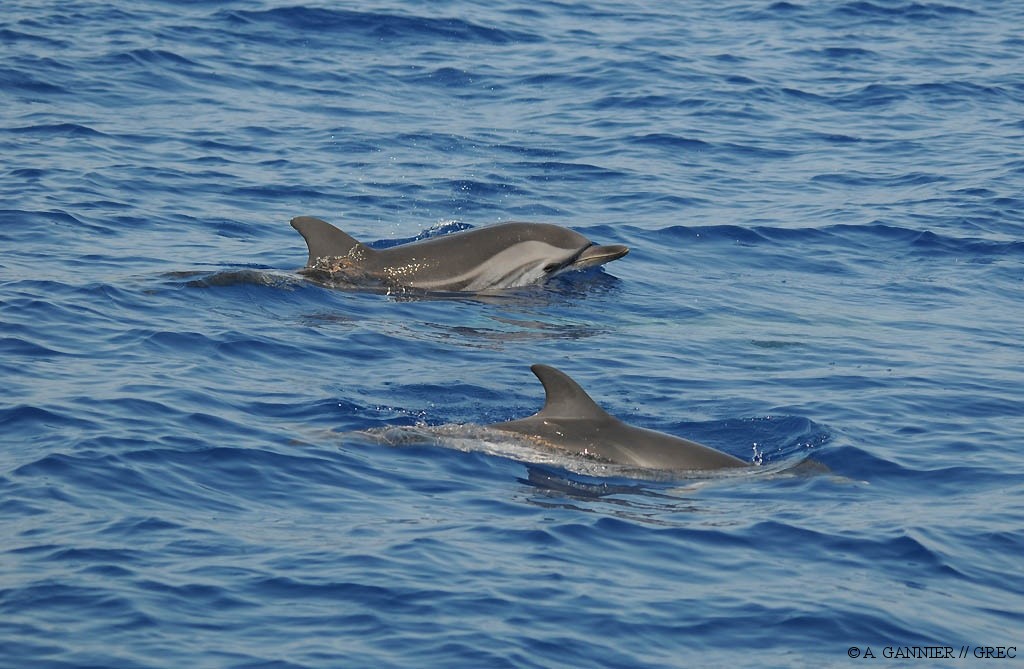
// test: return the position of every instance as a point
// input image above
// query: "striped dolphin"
(506, 255)
(572, 421)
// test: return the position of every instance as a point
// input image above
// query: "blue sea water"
(210, 462)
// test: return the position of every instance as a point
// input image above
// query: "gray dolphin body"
(572, 421)
(507, 255)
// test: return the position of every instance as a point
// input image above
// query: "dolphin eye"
(551, 267)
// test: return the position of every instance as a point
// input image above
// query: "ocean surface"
(209, 461)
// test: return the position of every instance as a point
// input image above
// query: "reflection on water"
(235, 277)
(533, 313)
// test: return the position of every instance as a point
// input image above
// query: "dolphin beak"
(595, 255)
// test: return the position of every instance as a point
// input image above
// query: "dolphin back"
(326, 241)
(571, 420)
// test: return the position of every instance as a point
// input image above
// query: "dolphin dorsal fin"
(564, 398)
(325, 241)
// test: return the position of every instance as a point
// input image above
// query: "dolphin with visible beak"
(572, 421)
(506, 255)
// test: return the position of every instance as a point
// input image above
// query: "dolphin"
(506, 255)
(572, 421)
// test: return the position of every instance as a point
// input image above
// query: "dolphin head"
(572, 251)
(592, 256)
(506, 255)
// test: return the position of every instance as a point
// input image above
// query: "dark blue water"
(209, 462)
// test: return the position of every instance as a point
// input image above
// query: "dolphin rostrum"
(572, 421)
(506, 255)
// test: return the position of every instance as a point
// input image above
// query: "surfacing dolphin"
(572, 421)
(506, 255)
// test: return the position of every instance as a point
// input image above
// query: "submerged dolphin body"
(507, 255)
(572, 421)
